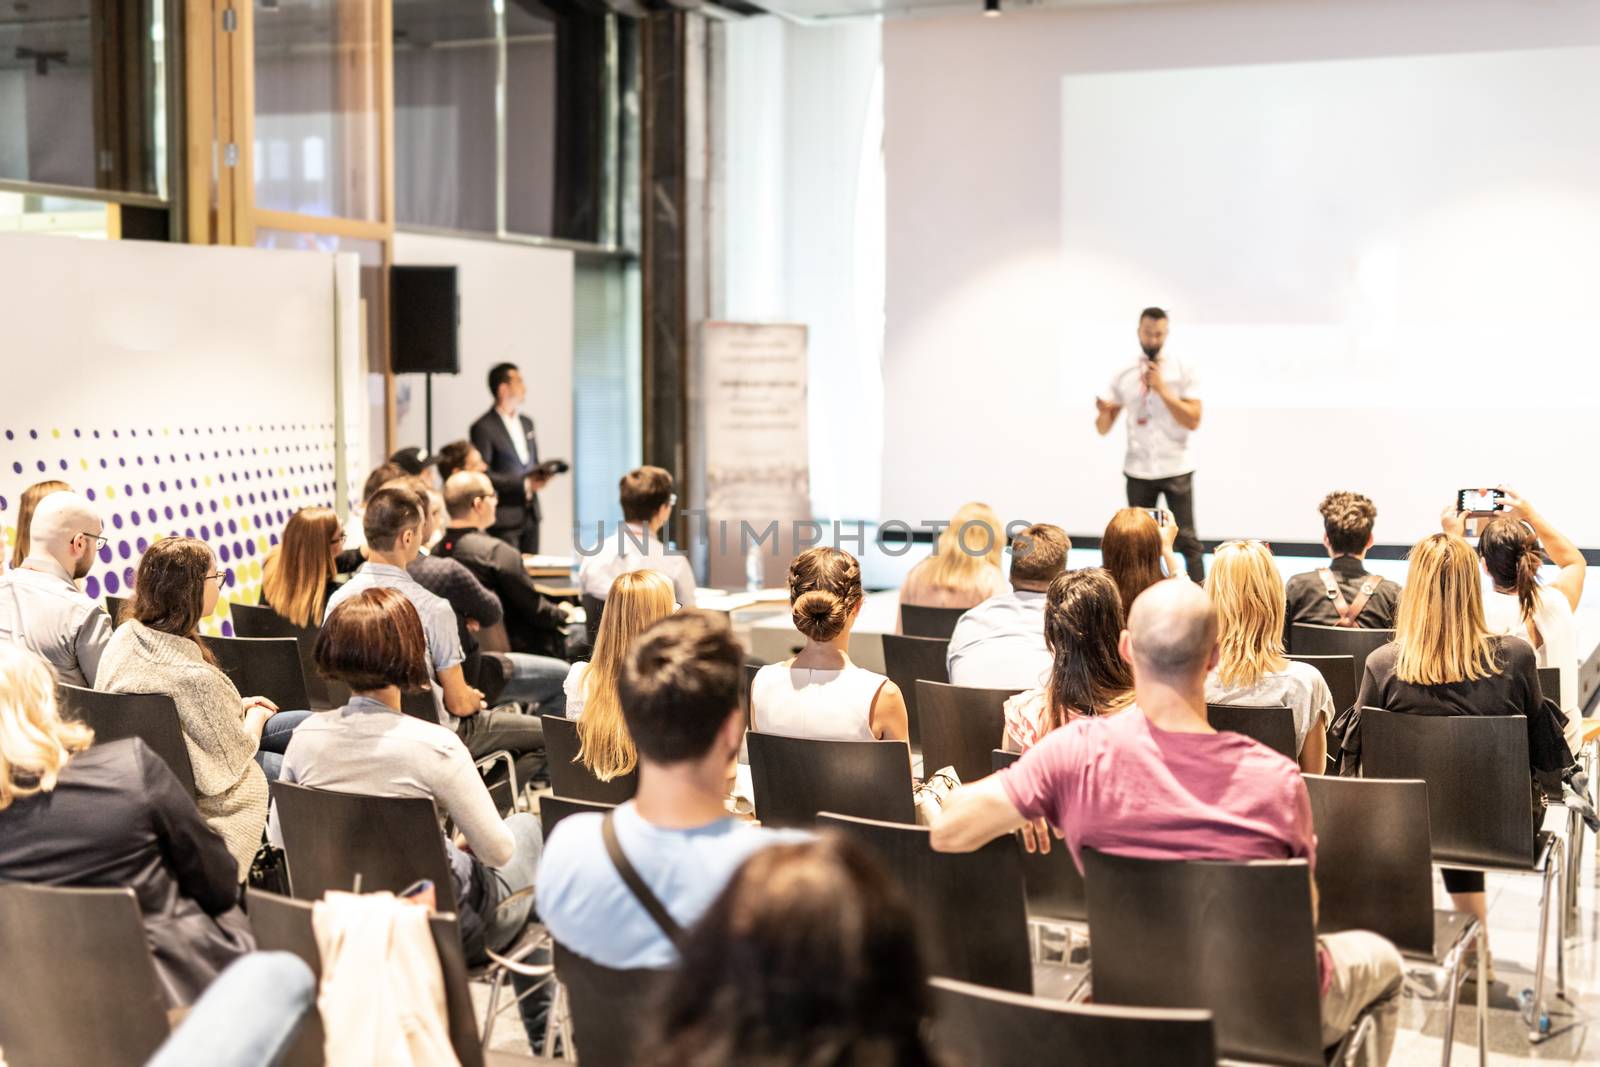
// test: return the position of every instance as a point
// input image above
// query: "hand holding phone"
(1480, 501)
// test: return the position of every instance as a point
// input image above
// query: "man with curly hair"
(1343, 593)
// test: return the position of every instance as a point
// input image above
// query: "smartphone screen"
(1158, 515)
(1480, 501)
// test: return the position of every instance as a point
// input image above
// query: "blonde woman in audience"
(113, 816)
(965, 568)
(1082, 623)
(298, 574)
(820, 693)
(21, 544)
(636, 600)
(1445, 661)
(1510, 546)
(1135, 548)
(158, 649)
(1245, 587)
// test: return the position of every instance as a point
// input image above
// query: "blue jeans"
(275, 741)
(248, 1016)
(537, 680)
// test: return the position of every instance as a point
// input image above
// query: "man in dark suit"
(504, 438)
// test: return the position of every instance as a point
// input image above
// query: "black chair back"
(1233, 938)
(569, 777)
(1550, 683)
(970, 905)
(1308, 639)
(797, 777)
(609, 1008)
(1374, 860)
(1340, 674)
(81, 986)
(151, 717)
(263, 666)
(908, 660)
(114, 606)
(1273, 727)
(552, 809)
(1053, 882)
(419, 704)
(593, 606)
(1479, 785)
(284, 925)
(330, 838)
(974, 1025)
(917, 621)
(254, 620)
(961, 725)
(749, 681)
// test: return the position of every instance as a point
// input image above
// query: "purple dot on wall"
(133, 517)
(116, 520)
(143, 546)
(122, 461)
(97, 435)
(189, 532)
(168, 510)
(91, 585)
(213, 505)
(162, 486)
(194, 483)
(114, 433)
(223, 553)
(227, 629)
(105, 554)
(33, 434)
(63, 464)
(127, 577)
(139, 460)
(127, 490)
(233, 527)
(205, 531)
(274, 539)
(89, 493)
(41, 464)
(151, 514)
(112, 585)
(16, 468)
(183, 509)
(103, 464)
(10, 436)
(77, 433)
(124, 549)
(251, 545)
(2, 503)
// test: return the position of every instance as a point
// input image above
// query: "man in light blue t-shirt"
(680, 698)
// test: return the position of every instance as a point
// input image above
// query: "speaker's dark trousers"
(1179, 491)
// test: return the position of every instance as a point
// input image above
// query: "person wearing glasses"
(235, 744)
(41, 606)
(647, 500)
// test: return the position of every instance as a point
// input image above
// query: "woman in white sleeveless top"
(1541, 614)
(820, 693)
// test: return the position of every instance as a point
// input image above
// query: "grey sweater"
(232, 789)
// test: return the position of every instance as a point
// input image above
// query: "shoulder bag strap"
(1369, 585)
(636, 885)
(1336, 595)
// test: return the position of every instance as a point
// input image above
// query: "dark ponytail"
(1511, 554)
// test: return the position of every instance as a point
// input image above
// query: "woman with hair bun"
(820, 693)
(1510, 547)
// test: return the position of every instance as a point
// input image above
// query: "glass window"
(83, 94)
(607, 430)
(28, 213)
(317, 148)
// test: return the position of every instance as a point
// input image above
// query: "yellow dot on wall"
(83, 463)
(111, 491)
(55, 433)
(208, 481)
(227, 502)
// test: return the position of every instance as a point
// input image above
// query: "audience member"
(1000, 643)
(964, 569)
(393, 529)
(416, 462)
(1157, 782)
(1445, 661)
(352, 557)
(158, 649)
(27, 503)
(1088, 676)
(460, 456)
(474, 605)
(1247, 591)
(113, 816)
(299, 574)
(40, 603)
(1343, 593)
(373, 642)
(647, 501)
(637, 600)
(535, 624)
(1137, 551)
(820, 692)
(1518, 605)
(810, 956)
(680, 699)
(248, 1017)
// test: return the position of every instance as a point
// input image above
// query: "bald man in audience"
(1157, 782)
(41, 606)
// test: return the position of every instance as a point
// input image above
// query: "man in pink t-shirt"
(1155, 781)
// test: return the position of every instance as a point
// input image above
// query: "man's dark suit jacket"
(516, 520)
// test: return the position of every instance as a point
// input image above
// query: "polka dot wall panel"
(233, 485)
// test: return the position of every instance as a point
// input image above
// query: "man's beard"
(1151, 353)
(82, 568)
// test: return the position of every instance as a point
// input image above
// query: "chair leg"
(496, 980)
(1561, 941)
(1452, 987)
(1483, 996)
(1537, 1009)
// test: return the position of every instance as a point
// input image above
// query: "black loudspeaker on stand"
(425, 327)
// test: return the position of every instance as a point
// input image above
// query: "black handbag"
(269, 871)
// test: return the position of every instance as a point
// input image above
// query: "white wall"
(516, 306)
(975, 153)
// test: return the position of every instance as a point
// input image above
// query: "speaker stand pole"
(427, 392)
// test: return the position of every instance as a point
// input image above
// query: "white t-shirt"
(1301, 689)
(573, 688)
(631, 547)
(802, 702)
(1157, 446)
(1558, 647)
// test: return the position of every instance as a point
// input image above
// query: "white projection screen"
(1387, 271)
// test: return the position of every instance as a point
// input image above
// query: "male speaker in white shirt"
(1159, 394)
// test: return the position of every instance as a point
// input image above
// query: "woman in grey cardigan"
(157, 649)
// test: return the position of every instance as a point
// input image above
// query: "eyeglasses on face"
(223, 578)
(99, 542)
